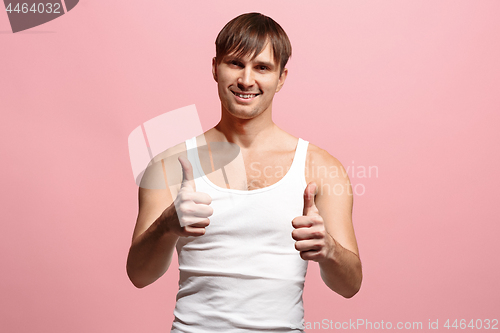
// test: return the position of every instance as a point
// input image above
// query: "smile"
(244, 96)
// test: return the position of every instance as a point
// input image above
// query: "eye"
(235, 63)
(262, 68)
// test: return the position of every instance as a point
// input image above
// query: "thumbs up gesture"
(312, 239)
(192, 208)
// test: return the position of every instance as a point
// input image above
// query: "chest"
(263, 170)
(250, 171)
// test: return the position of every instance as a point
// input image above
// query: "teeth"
(244, 96)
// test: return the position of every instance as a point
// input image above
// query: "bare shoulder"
(163, 170)
(322, 167)
(334, 197)
(178, 148)
(321, 156)
(158, 187)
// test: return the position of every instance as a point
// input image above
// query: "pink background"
(411, 87)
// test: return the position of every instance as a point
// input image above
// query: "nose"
(246, 79)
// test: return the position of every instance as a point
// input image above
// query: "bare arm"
(152, 245)
(325, 233)
(160, 223)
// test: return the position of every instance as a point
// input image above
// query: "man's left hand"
(312, 239)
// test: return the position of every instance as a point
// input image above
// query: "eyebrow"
(265, 63)
(258, 62)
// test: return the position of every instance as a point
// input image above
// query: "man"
(243, 244)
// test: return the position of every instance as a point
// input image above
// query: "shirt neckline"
(244, 192)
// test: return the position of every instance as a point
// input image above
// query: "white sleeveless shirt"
(244, 274)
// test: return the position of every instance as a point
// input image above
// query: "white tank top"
(244, 274)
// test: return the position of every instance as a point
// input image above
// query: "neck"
(246, 133)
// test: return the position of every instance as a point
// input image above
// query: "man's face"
(247, 87)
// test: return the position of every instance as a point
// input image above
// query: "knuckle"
(184, 222)
(203, 223)
(183, 195)
(184, 208)
(297, 221)
(317, 219)
(200, 231)
(317, 234)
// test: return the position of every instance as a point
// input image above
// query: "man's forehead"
(265, 55)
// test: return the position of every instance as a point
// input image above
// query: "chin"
(243, 112)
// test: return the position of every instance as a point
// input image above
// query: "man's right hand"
(192, 208)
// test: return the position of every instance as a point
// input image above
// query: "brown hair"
(248, 34)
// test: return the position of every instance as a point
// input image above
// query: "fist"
(192, 208)
(312, 240)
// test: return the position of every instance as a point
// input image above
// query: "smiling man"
(243, 245)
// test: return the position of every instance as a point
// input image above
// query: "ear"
(214, 69)
(282, 79)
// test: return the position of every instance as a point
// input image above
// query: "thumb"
(187, 173)
(309, 194)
